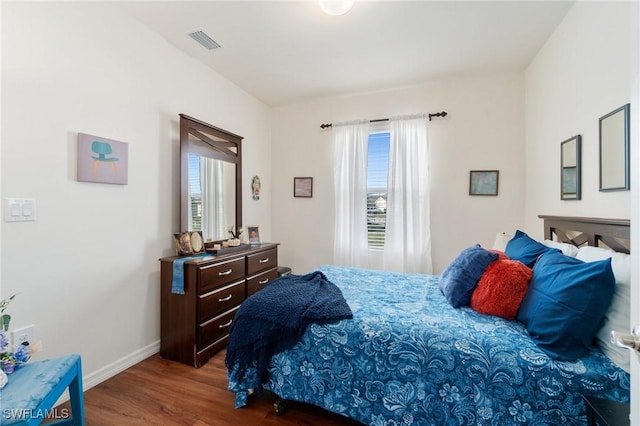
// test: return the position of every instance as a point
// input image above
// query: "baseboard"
(120, 365)
(114, 368)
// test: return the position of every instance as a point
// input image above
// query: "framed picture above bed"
(483, 182)
(614, 150)
(570, 162)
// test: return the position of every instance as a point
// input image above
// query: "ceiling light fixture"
(336, 7)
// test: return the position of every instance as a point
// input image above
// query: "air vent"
(202, 38)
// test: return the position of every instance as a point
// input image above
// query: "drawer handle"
(227, 272)
(226, 299)
(265, 260)
(225, 325)
(266, 280)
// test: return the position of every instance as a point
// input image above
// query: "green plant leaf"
(5, 302)
(5, 319)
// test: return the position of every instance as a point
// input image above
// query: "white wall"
(581, 74)
(87, 271)
(484, 130)
(587, 68)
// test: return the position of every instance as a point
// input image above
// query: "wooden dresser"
(195, 325)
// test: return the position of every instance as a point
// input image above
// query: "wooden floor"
(160, 392)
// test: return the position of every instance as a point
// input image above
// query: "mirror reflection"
(614, 150)
(211, 197)
(570, 168)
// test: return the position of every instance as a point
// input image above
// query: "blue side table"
(33, 388)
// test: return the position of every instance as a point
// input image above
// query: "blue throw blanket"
(177, 282)
(273, 319)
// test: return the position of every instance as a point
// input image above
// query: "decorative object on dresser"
(195, 325)
(188, 243)
(483, 182)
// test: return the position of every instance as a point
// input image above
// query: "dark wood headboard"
(579, 231)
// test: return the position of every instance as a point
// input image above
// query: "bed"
(408, 357)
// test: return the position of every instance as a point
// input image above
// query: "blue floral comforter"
(408, 358)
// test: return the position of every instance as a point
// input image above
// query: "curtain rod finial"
(438, 114)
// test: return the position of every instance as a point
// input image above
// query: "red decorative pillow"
(501, 288)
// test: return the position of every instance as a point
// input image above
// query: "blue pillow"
(525, 249)
(460, 278)
(565, 303)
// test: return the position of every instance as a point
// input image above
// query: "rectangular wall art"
(483, 182)
(303, 187)
(102, 160)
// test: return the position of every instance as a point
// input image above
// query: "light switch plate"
(19, 209)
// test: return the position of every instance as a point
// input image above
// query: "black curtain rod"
(437, 114)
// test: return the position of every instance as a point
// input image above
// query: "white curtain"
(213, 213)
(350, 146)
(407, 246)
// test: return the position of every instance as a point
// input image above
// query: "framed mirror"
(614, 150)
(570, 161)
(210, 179)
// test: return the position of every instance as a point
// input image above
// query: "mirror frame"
(564, 194)
(625, 164)
(198, 137)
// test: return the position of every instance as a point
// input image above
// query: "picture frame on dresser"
(253, 233)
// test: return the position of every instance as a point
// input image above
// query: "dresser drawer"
(219, 274)
(220, 300)
(260, 261)
(215, 328)
(258, 282)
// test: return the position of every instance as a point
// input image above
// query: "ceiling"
(286, 52)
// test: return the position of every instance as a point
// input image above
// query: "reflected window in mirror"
(211, 197)
(570, 174)
(614, 150)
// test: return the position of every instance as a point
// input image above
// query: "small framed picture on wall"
(303, 187)
(483, 182)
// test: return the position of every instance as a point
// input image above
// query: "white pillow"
(618, 315)
(566, 248)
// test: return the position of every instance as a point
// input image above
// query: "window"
(195, 194)
(377, 172)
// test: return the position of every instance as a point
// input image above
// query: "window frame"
(377, 242)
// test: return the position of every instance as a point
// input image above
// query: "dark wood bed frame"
(579, 231)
